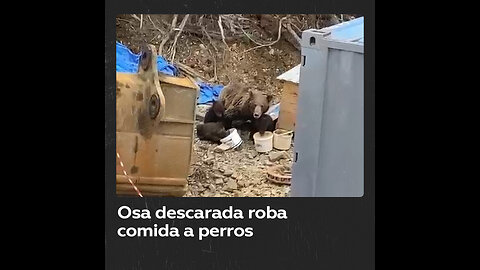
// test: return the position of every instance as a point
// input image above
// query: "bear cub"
(262, 124)
(215, 113)
(211, 131)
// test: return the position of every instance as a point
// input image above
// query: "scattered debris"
(209, 160)
(231, 184)
(275, 156)
(228, 172)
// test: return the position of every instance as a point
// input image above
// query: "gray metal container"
(328, 150)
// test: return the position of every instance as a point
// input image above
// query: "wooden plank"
(161, 190)
(122, 179)
(288, 107)
(151, 194)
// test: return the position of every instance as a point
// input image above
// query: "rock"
(207, 194)
(227, 172)
(212, 187)
(209, 160)
(202, 46)
(218, 150)
(268, 163)
(216, 175)
(203, 146)
(221, 170)
(219, 181)
(234, 175)
(241, 183)
(231, 185)
(237, 193)
(275, 156)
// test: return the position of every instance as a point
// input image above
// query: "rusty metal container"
(155, 116)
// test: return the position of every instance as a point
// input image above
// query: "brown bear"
(215, 113)
(211, 131)
(241, 103)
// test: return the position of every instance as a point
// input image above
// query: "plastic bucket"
(263, 143)
(281, 141)
(233, 139)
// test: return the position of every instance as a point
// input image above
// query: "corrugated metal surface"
(329, 127)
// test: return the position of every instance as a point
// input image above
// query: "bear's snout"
(257, 112)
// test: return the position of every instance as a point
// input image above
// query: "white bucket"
(263, 143)
(281, 141)
(233, 139)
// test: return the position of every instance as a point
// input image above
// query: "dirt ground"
(239, 172)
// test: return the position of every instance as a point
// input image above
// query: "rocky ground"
(239, 172)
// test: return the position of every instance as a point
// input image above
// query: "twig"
(209, 38)
(141, 20)
(182, 24)
(200, 20)
(160, 30)
(136, 17)
(298, 28)
(289, 28)
(214, 60)
(250, 37)
(270, 44)
(189, 71)
(221, 30)
(167, 36)
(120, 19)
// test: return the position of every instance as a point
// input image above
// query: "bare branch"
(209, 38)
(297, 38)
(136, 17)
(215, 78)
(182, 24)
(270, 44)
(221, 30)
(160, 30)
(250, 37)
(165, 39)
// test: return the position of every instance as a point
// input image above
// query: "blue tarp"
(208, 92)
(127, 61)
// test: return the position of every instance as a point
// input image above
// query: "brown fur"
(242, 103)
(212, 131)
(215, 113)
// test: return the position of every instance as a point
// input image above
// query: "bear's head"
(218, 108)
(258, 103)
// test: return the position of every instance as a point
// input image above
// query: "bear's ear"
(269, 98)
